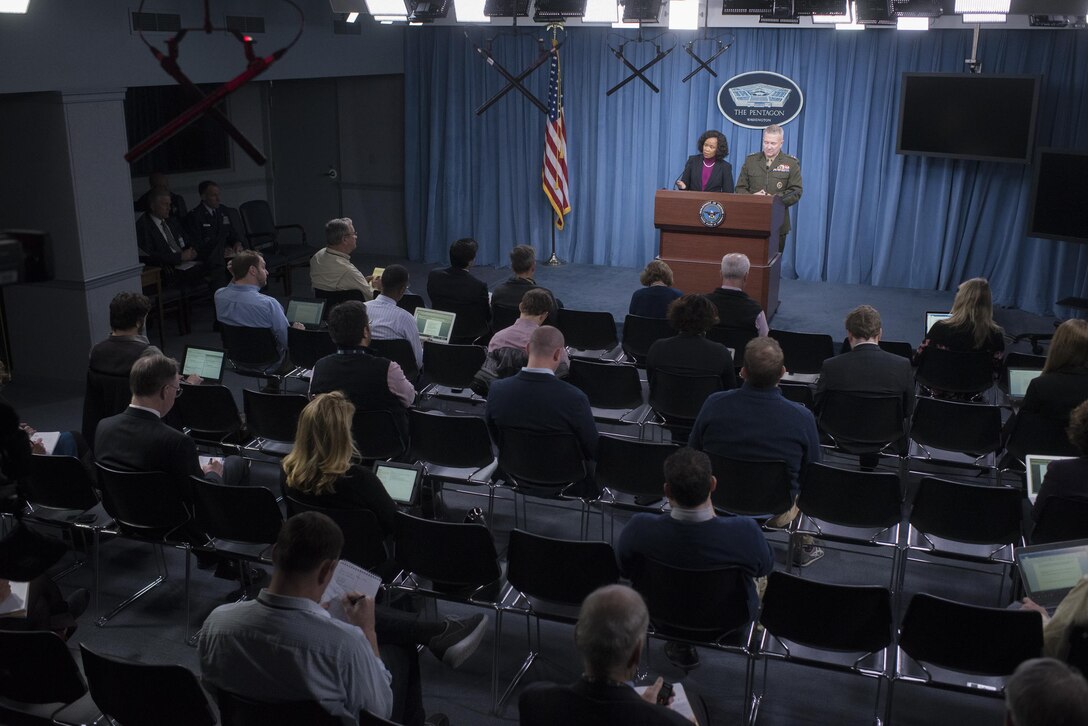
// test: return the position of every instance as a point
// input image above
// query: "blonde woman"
(652, 301)
(1063, 384)
(323, 467)
(971, 325)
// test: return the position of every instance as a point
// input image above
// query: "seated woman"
(1063, 384)
(323, 467)
(652, 301)
(970, 326)
(1068, 477)
(690, 353)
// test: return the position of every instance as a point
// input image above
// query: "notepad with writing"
(14, 605)
(347, 578)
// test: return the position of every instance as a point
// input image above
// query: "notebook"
(933, 316)
(306, 311)
(204, 362)
(1035, 465)
(401, 481)
(1019, 378)
(435, 325)
(1050, 571)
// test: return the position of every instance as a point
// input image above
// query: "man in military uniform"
(772, 172)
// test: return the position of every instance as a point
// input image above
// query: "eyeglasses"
(178, 390)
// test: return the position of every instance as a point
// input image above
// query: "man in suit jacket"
(867, 369)
(535, 399)
(213, 228)
(455, 289)
(155, 181)
(610, 635)
(159, 236)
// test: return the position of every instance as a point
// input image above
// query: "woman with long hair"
(1063, 384)
(971, 325)
(323, 468)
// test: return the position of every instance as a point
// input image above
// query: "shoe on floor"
(437, 719)
(806, 555)
(462, 636)
(682, 655)
(77, 603)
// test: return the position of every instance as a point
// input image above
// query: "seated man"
(243, 304)
(455, 289)
(867, 369)
(161, 240)
(331, 269)
(736, 310)
(610, 636)
(757, 422)
(389, 322)
(370, 382)
(285, 647)
(1046, 692)
(210, 226)
(692, 535)
(689, 352)
(508, 294)
(158, 180)
(534, 308)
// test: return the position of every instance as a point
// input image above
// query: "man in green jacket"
(772, 172)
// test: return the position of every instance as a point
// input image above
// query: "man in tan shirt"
(331, 268)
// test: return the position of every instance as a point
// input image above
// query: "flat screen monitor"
(968, 116)
(1058, 191)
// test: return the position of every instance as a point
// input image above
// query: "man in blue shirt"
(242, 303)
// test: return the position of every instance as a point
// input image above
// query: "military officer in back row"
(772, 172)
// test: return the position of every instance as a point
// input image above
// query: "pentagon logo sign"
(758, 99)
(711, 214)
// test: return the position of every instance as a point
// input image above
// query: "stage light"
(601, 11)
(352, 17)
(982, 6)
(470, 11)
(387, 10)
(904, 23)
(14, 6)
(852, 19)
(683, 14)
(983, 18)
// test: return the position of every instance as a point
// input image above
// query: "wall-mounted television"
(1058, 190)
(968, 116)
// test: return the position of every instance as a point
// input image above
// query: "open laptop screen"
(204, 362)
(401, 481)
(1035, 466)
(435, 325)
(307, 312)
(933, 316)
(1050, 571)
(1019, 378)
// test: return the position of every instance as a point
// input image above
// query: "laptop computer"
(204, 362)
(933, 316)
(401, 481)
(435, 325)
(1050, 571)
(1019, 378)
(306, 311)
(1035, 470)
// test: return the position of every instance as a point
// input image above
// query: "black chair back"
(138, 694)
(503, 317)
(410, 301)
(541, 459)
(639, 333)
(608, 385)
(1036, 433)
(956, 371)
(1078, 648)
(377, 435)
(235, 710)
(363, 541)
(575, 568)
(451, 441)
(1061, 519)
(306, 347)
(860, 423)
(148, 504)
(819, 623)
(587, 330)
(973, 513)
(968, 428)
(60, 482)
(400, 352)
(804, 352)
(37, 667)
(753, 488)
(969, 638)
(851, 498)
(720, 609)
(455, 555)
(632, 466)
(249, 350)
(798, 393)
(259, 223)
(678, 398)
(239, 514)
(333, 298)
(209, 412)
(471, 321)
(736, 339)
(452, 365)
(273, 415)
(106, 396)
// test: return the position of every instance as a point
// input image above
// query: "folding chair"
(60, 493)
(633, 468)
(306, 347)
(363, 542)
(455, 449)
(805, 353)
(41, 680)
(377, 435)
(678, 398)
(640, 333)
(262, 234)
(860, 424)
(588, 334)
(971, 430)
(451, 368)
(209, 414)
(614, 390)
(400, 352)
(273, 420)
(251, 352)
(966, 372)
(235, 710)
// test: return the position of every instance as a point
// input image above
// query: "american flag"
(554, 174)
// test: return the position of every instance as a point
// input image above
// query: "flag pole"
(554, 260)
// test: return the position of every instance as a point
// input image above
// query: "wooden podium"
(694, 250)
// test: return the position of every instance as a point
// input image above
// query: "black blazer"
(868, 369)
(153, 244)
(1067, 478)
(138, 440)
(456, 288)
(721, 176)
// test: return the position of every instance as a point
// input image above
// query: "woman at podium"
(708, 171)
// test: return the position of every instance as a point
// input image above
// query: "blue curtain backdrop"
(868, 215)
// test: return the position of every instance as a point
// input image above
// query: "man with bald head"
(536, 400)
(610, 636)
